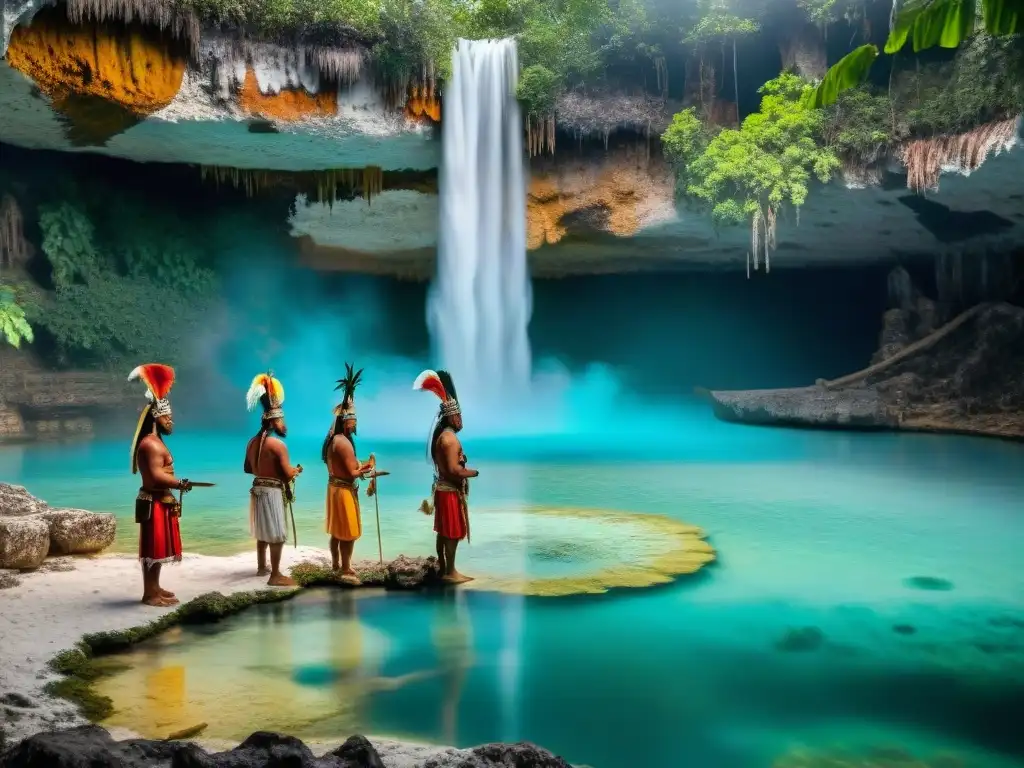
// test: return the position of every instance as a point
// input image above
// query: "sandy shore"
(51, 609)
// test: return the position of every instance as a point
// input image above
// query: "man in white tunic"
(266, 458)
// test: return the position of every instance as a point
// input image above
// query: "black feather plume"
(449, 385)
(352, 380)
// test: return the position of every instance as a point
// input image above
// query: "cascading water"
(479, 306)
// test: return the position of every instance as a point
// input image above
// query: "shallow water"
(902, 551)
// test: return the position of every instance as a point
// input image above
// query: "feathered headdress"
(158, 380)
(347, 407)
(267, 391)
(441, 384)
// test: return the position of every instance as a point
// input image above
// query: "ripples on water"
(819, 625)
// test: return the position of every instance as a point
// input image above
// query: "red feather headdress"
(441, 384)
(158, 379)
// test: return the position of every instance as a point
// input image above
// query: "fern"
(14, 327)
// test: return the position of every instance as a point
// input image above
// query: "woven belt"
(444, 485)
(341, 482)
(267, 482)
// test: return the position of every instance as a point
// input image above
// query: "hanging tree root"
(925, 159)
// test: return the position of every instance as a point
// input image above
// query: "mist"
(627, 348)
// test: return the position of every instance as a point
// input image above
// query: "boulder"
(78, 531)
(90, 746)
(24, 542)
(411, 572)
(16, 501)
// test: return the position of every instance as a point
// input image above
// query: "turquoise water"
(868, 594)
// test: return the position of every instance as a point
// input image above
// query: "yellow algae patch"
(423, 103)
(289, 105)
(620, 192)
(625, 550)
(126, 65)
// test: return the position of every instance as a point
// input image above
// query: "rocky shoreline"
(965, 377)
(31, 530)
(92, 746)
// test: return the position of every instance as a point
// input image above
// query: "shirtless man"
(451, 479)
(344, 521)
(156, 510)
(266, 458)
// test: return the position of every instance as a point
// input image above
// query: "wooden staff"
(376, 504)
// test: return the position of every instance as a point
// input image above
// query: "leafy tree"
(749, 174)
(141, 294)
(14, 326)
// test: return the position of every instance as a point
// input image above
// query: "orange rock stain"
(126, 65)
(288, 105)
(423, 103)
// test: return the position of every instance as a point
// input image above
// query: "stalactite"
(540, 135)
(926, 159)
(181, 24)
(14, 248)
(338, 65)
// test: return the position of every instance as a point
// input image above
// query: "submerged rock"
(801, 639)
(90, 746)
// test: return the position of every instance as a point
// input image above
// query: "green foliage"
(719, 25)
(849, 72)
(984, 82)
(928, 23)
(139, 293)
(748, 174)
(820, 12)
(684, 141)
(537, 90)
(857, 126)
(14, 327)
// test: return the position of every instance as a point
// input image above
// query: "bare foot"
(456, 578)
(165, 593)
(264, 571)
(159, 601)
(350, 577)
(280, 580)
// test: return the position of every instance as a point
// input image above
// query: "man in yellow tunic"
(344, 522)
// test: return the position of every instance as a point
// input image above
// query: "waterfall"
(479, 305)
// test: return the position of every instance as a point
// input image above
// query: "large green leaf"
(849, 72)
(928, 23)
(1003, 17)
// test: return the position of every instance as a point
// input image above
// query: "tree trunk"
(803, 52)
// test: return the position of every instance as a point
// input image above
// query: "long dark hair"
(336, 429)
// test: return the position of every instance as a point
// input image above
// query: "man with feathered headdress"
(451, 476)
(344, 520)
(266, 458)
(156, 510)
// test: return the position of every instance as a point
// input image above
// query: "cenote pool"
(867, 598)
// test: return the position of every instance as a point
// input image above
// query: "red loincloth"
(449, 520)
(160, 536)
